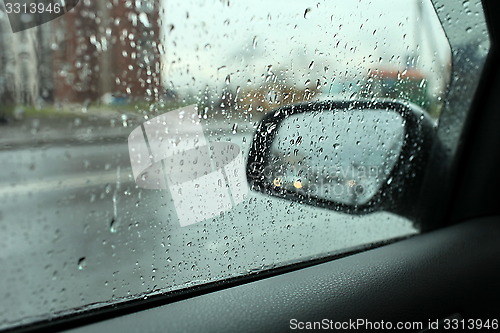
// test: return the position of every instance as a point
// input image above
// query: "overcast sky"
(207, 41)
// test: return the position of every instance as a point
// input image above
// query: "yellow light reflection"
(277, 182)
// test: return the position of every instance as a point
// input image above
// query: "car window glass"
(125, 128)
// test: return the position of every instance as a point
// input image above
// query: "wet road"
(76, 230)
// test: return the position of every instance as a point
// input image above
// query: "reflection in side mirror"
(355, 156)
(329, 155)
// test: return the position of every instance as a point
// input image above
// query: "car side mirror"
(351, 156)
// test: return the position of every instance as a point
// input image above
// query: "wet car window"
(125, 128)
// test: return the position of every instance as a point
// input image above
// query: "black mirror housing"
(399, 189)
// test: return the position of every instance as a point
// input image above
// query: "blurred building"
(107, 50)
(19, 75)
(409, 84)
(269, 96)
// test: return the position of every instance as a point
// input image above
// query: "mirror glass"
(340, 156)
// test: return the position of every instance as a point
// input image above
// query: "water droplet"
(82, 263)
(113, 225)
(306, 12)
(124, 118)
(254, 42)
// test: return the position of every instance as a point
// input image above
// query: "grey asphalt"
(77, 232)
